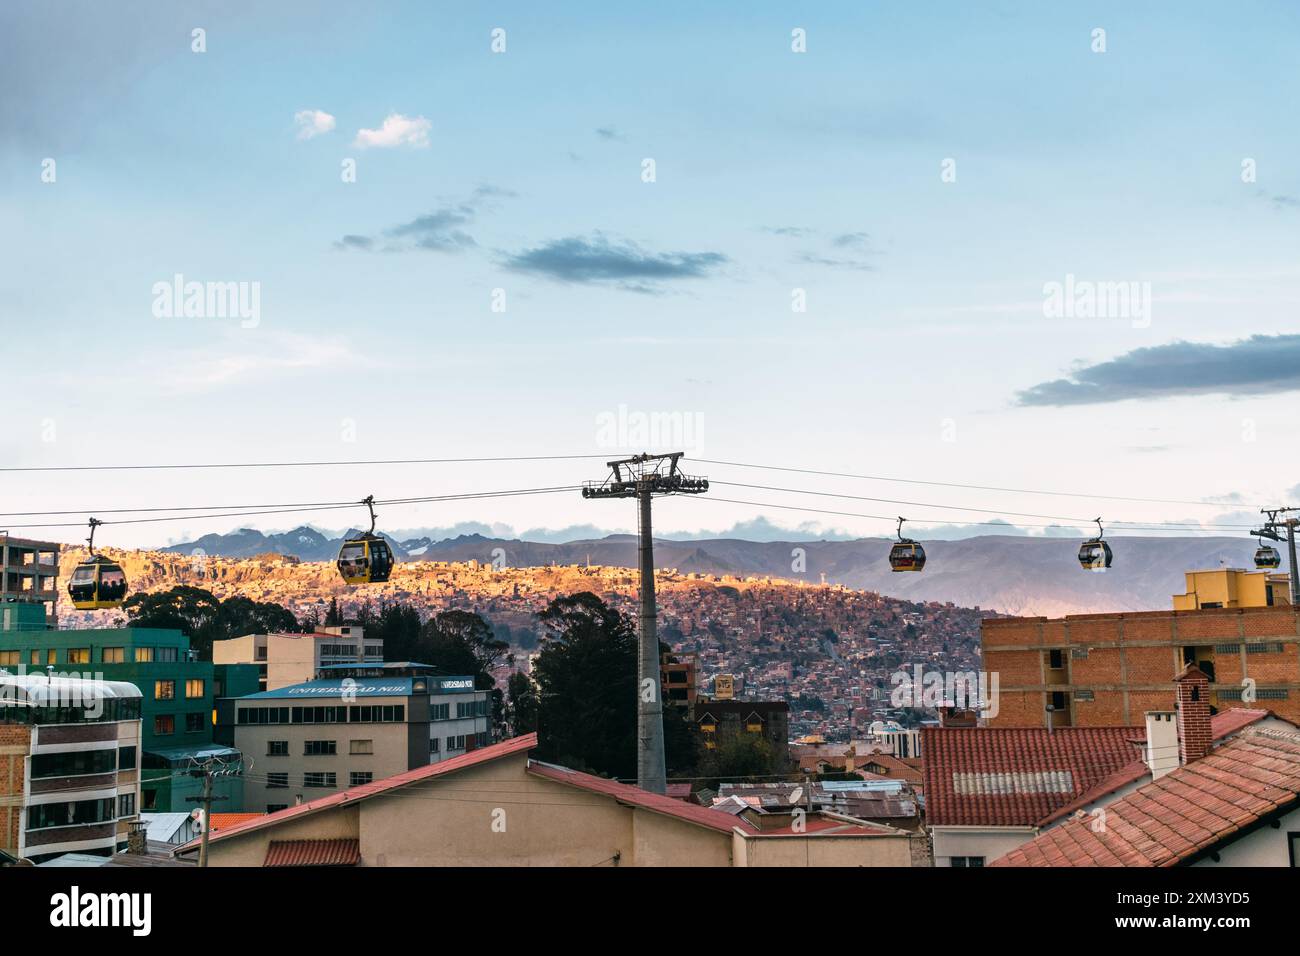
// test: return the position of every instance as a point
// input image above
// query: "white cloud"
(398, 130)
(313, 123)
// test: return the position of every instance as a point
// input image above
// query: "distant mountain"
(1009, 573)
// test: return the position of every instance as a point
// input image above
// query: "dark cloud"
(851, 239)
(610, 133)
(808, 258)
(598, 260)
(442, 230)
(792, 232)
(1260, 364)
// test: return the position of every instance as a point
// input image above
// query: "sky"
(1026, 245)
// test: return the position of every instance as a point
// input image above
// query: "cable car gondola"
(1267, 557)
(906, 554)
(1095, 553)
(96, 583)
(366, 559)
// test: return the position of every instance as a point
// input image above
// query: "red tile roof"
(635, 796)
(1185, 813)
(994, 776)
(223, 821)
(354, 794)
(1223, 724)
(313, 853)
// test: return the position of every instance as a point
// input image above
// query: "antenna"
(642, 477)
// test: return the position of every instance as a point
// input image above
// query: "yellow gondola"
(367, 558)
(97, 583)
(906, 554)
(1267, 557)
(1095, 553)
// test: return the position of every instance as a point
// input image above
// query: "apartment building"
(178, 692)
(352, 725)
(285, 659)
(1095, 670)
(69, 765)
(29, 574)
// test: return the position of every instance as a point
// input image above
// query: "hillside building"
(285, 659)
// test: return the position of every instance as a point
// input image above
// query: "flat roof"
(350, 687)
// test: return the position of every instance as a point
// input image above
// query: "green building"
(178, 694)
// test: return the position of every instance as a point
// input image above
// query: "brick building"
(1098, 670)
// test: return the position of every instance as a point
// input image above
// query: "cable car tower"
(642, 477)
(1271, 529)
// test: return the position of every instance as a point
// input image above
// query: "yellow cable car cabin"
(1095, 555)
(365, 560)
(97, 584)
(906, 555)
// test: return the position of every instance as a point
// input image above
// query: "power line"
(277, 510)
(296, 464)
(923, 504)
(952, 484)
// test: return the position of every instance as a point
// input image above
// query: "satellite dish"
(796, 795)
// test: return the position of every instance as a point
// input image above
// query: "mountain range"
(1012, 574)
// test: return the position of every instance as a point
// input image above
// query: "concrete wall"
(988, 842)
(823, 851)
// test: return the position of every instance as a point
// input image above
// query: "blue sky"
(924, 350)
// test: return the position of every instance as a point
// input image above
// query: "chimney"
(1193, 714)
(1162, 743)
(137, 837)
(849, 755)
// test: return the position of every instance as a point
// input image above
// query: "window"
(144, 655)
(126, 758)
(277, 781)
(319, 748)
(1058, 700)
(46, 815)
(362, 747)
(194, 723)
(318, 780)
(360, 778)
(164, 724)
(433, 745)
(1056, 659)
(440, 712)
(968, 861)
(167, 655)
(74, 764)
(78, 655)
(194, 688)
(113, 655)
(126, 805)
(276, 807)
(277, 748)
(10, 658)
(164, 690)
(456, 743)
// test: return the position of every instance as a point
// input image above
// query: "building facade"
(351, 726)
(29, 574)
(1097, 670)
(284, 659)
(69, 765)
(178, 693)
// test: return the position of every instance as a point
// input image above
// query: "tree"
(586, 676)
(739, 754)
(521, 704)
(203, 618)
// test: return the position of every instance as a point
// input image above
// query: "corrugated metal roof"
(339, 852)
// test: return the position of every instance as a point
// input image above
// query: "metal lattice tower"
(642, 477)
(1271, 530)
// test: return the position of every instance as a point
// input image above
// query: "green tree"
(203, 618)
(739, 755)
(521, 704)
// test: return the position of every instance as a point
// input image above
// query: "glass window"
(277, 748)
(277, 781)
(164, 690)
(194, 688)
(78, 655)
(362, 747)
(126, 758)
(164, 724)
(360, 778)
(126, 805)
(144, 655)
(10, 658)
(113, 655)
(194, 723)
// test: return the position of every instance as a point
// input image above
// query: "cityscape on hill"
(448, 442)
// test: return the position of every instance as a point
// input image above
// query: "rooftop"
(1186, 813)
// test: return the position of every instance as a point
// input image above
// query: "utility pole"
(642, 477)
(1270, 530)
(205, 770)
